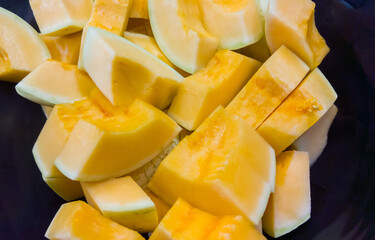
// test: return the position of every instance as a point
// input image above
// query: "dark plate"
(343, 179)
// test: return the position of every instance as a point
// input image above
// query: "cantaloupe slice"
(235, 24)
(139, 9)
(184, 222)
(258, 50)
(17, 56)
(64, 48)
(61, 17)
(178, 29)
(161, 207)
(124, 71)
(78, 220)
(292, 23)
(53, 82)
(216, 84)
(127, 138)
(290, 205)
(123, 201)
(224, 167)
(300, 110)
(269, 86)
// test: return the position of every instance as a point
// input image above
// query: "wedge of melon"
(180, 33)
(17, 56)
(269, 86)
(184, 222)
(216, 84)
(224, 167)
(124, 71)
(300, 110)
(235, 24)
(53, 82)
(139, 9)
(161, 207)
(290, 205)
(123, 201)
(292, 23)
(61, 17)
(64, 48)
(78, 220)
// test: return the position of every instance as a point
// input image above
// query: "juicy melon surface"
(223, 167)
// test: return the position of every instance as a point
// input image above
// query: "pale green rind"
(290, 227)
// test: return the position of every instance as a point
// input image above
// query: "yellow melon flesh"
(124, 71)
(189, 46)
(290, 205)
(123, 201)
(127, 138)
(61, 17)
(224, 167)
(64, 48)
(17, 56)
(303, 107)
(291, 23)
(258, 50)
(161, 207)
(53, 82)
(184, 222)
(139, 9)
(269, 86)
(46, 110)
(216, 84)
(235, 24)
(78, 220)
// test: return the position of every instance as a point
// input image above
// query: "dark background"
(343, 179)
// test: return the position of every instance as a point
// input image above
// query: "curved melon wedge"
(21, 47)
(180, 34)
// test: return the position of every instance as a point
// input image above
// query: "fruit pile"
(191, 119)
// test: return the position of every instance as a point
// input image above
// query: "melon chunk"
(123, 201)
(290, 205)
(300, 110)
(61, 17)
(161, 207)
(78, 220)
(292, 23)
(64, 48)
(124, 71)
(224, 167)
(54, 82)
(269, 86)
(179, 31)
(17, 56)
(184, 222)
(216, 84)
(139, 9)
(126, 138)
(235, 24)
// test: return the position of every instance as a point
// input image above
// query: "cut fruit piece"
(123, 201)
(270, 85)
(315, 138)
(123, 71)
(54, 82)
(189, 46)
(61, 17)
(292, 23)
(300, 110)
(127, 138)
(78, 220)
(235, 24)
(139, 9)
(184, 222)
(47, 147)
(46, 110)
(224, 167)
(65, 48)
(17, 56)
(258, 50)
(161, 207)
(290, 205)
(216, 84)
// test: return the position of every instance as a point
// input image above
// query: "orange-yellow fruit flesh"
(269, 86)
(78, 220)
(161, 207)
(217, 84)
(139, 9)
(290, 205)
(64, 48)
(214, 165)
(292, 23)
(303, 107)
